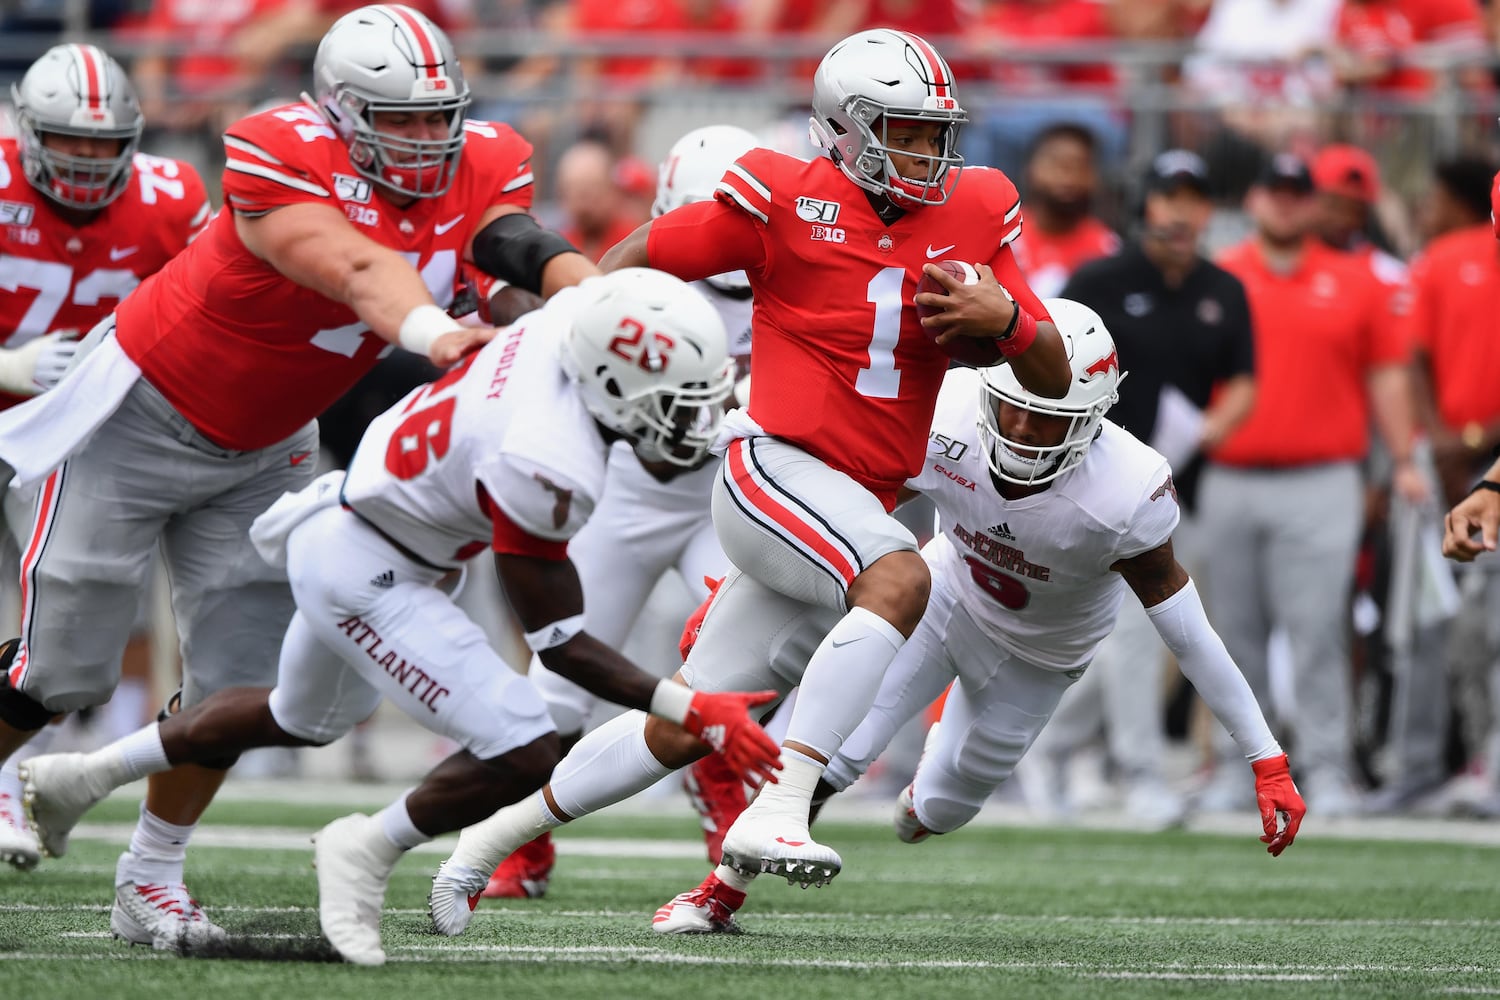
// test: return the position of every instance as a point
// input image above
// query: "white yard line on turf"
(489, 911)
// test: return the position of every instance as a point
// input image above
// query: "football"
(966, 350)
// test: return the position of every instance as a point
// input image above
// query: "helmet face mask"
(875, 80)
(79, 91)
(385, 60)
(651, 361)
(1093, 390)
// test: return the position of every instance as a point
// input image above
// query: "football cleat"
(908, 827)
(455, 892)
(708, 909)
(158, 914)
(58, 790)
(718, 794)
(18, 845)
(525, 872)
(777, 843)
(354, 862)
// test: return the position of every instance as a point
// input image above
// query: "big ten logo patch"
(829, 234)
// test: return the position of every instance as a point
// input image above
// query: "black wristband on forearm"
(1485, 484)
(515, 249)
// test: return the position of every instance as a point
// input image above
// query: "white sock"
(607, 766)
(396, 822)
(793, 789)
(160, 846)
(484, 845)
(131, 758)
(733, 879)
(10, 779)
(842, 680)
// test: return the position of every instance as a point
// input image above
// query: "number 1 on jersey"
(882, 380)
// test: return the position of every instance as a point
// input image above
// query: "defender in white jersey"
(650, 520)
(507, 450)
(1050, 513)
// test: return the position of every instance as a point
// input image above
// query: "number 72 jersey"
(58, 276)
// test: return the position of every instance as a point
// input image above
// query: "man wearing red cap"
(1347, 180)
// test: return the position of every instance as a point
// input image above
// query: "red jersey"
(57, 276)
(247, 355)
(1049, 259)
(1454, 317)
(840, 365)
(1318, 332)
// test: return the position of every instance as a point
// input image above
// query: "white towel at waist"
(269, 532)
(40, 434)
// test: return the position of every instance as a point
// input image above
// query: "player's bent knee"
(527, 767)
(944, 815)
(671, 744)
(896, 587)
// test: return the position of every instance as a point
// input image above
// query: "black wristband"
(1015, 318)
(1485, 484)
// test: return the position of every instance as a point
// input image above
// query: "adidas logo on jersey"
(1002, 530)
(384, 580)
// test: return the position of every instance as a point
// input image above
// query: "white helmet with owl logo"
(1094, 388)
(651, 359)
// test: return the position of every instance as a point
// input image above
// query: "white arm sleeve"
(1183, 626)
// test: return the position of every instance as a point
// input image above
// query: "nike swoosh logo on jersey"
(119, 253)
(931, 253)
(444, 227)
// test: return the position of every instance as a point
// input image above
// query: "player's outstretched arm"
(1472, 525)
(548, 600)
(314, 245)
(510, 245)
(1172, 602)
(629, 252)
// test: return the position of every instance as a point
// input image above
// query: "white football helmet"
(388, 57)
(863, 83)
(693, 168)
(651, 359)
(1092, 391)
(77, 90)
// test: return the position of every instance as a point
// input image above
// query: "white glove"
(36, 365)
(53, 359)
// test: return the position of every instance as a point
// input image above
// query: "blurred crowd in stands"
(1299, 127)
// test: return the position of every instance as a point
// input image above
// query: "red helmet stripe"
(92, 61)
(935, 66)
(428, 45)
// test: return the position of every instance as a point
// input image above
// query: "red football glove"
(695, 620)
(1276, 795)
(722, 720)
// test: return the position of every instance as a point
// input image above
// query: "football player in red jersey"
(346, 219)
(84, 217)
(843, 382)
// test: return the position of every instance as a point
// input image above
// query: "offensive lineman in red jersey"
(844, 380)
(84, 218)
(346, 220)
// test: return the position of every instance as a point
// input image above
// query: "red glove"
(722, 720)
(1276, 795)
(695, 620)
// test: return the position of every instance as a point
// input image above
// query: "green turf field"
(988, 912)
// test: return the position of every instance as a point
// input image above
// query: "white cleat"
(18, 845)
(708, 909)
(455, 893)
(161, 915)
(778, 844)
(58, 790)
(908, 827)
(354, 862)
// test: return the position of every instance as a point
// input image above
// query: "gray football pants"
(86, 534)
